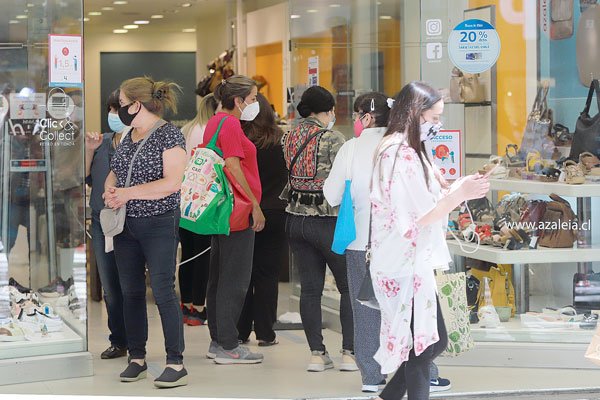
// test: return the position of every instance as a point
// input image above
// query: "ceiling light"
(335, 5)
(185, 5)
(94, 13)
(13, 21)
(189, 30)
(385, 17)
(312, 11)
(142, 22)
(30, 5)
(120, 31)
(21, 17)
(157, 16)
(295, 16)
(119, 3)
(108, 8)
(130, 27)
(86, 19)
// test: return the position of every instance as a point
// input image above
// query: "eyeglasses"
(358, 115)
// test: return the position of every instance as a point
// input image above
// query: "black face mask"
(124, 115)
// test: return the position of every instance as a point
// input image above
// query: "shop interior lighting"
(185, 5)
(130, 27)
(120, 31)
(157, 16)
(312, 11)
(30, 5)
(21, 17)
(385, 17)
(335, 5)
(119, 3)
(13, 21)
(141, 22)
(189, 30)
(94, 13)
(86, 19)
(108, 8)
(295, 16)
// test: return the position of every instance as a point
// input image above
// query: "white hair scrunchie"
(390, 102)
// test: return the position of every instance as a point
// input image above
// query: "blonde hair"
(232, 87)
(156, 97)
(206, 109)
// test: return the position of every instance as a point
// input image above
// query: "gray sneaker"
(239, 355)
(319, 361)
(212, 350)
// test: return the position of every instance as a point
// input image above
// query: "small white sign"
(65, 60)
(313, 71)
(27, 107)
(446, 152)
(474, 46)
(60, 105)
(434, 51)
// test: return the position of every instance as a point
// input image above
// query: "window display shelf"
(539, 256)
(513, 331)
(63, 342)
(561, 189)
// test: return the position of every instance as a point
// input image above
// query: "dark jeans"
(270, 250)
(111, 286)
(310, 241)
(228, 282)
(150, 242)
(193, 275)
(413, 375)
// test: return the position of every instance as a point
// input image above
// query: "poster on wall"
(313, 71)
(445, 150)
(65, 60)
(474, 46)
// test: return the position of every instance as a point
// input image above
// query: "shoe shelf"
(561, 189)
(513, 331)
(541, 255)
(63, 342)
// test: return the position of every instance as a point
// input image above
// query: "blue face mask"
(115, 124)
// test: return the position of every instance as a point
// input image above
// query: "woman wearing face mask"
(156, 151)
(231, 255)
(410, 205)
(309, 151)
(371, 112)
(99, 149)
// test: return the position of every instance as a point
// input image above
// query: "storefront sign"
(474, 46)
(313, 71)
(446, 152)
(32, 106)
(65, 60)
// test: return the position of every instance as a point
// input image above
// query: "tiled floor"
(282, 375)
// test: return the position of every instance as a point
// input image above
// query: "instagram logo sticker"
(433, 27)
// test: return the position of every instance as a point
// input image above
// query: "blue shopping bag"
(345, 228)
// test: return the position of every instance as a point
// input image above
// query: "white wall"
(267, 25)
(94, 44)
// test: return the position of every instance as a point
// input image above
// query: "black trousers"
(413, 375)
(193, 275)
(270, 252)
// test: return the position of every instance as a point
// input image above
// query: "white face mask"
(250, 112)
(331, 124)
(429, 130)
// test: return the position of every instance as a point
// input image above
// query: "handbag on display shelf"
(587, 129)
(558, 212)
(466, 88)
(345, 226)
(539, 124)
(452, 293)
(561, 19)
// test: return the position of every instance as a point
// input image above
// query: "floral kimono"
(404, 255)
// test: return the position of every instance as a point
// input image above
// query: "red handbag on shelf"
(242, 205)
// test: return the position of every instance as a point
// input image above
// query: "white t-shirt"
(195, 138)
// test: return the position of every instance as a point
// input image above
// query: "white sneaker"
(348, 361)
(319, 362)
(11, 333)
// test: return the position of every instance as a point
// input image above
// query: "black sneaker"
(171, 378)
(195, 317)
(439, 385)
(134, 372)
(56, 288)
(12, 282)
(113, 352)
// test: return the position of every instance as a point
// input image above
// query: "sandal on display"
(512, 157)
(560, 135)
(589, 162)
(574, 174)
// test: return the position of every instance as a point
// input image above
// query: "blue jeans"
(111, 286)
(150, 242)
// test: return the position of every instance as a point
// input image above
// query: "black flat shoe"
(171, 378)
(113, 352)
(134, 372)
(264, 343)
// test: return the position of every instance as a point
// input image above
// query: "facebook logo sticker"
(434, 51)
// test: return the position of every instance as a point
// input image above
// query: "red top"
(234, 143)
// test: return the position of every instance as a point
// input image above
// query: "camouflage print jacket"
(304, 190)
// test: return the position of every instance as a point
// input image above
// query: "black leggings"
(413, 375)
(193, 275)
